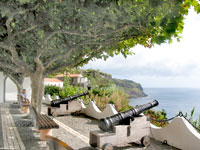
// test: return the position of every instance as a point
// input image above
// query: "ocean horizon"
(172, 100)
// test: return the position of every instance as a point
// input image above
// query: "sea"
(172, 100)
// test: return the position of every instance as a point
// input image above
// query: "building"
(75, 79)
(53, 81)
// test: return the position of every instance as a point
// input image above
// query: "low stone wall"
(179, 133)
(93, 111)
(47, 100)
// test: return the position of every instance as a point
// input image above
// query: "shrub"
(52, 90)
(116, 97)
(69, 90)
(157, 115)
(194, 122)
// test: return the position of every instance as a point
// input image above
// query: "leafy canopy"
(43, 36)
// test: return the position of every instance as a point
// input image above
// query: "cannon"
(123, 128)
(66, 106)
(106, 124)
(57, 102)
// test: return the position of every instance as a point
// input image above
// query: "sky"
(165, 65)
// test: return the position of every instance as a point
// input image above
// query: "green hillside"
(100, 79)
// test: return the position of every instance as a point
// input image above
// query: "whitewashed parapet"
(93, 111)
(179, 133)
(47, 100)
(56, 97)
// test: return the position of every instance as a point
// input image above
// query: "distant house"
(60, 77)
(53, 81)
(75, 79)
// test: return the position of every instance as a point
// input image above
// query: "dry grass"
(118, 98)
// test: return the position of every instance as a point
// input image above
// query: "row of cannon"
(124, 127)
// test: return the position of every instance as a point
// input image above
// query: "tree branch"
(125, 27)
(67, 54)
(9, 30)
(39, 63)
(53, 70)
(4, 46)
(23, 10)
(21, 64)
(17, 81)
(10, 67)
(26, 30)
(70, 32)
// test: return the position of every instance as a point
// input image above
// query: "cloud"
(166, 65)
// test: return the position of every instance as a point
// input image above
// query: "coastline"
(172, 100)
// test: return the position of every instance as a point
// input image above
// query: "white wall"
(60, 84)
(1, 87)
(11, 89)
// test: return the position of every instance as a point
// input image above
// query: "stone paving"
(74, 130)
(17, 137)
(1, 134)
(83, 125)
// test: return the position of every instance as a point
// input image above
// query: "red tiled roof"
(60, 75)
(74, 75)
(69, 75)
(51, 80)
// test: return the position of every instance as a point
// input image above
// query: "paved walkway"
(73, 130)
(14, 136)
(11, 138)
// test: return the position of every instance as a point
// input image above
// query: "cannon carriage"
(69, 105)
(123, 128)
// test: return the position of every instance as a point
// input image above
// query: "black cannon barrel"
(106, 124)
(57, 102)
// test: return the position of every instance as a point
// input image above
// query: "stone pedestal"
(25, 109)
(45, 132)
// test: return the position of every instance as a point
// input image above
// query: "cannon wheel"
(76, 113)
(108, 146)
(145, 141)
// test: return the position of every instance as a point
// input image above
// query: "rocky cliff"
(97, 78)
(132, 88)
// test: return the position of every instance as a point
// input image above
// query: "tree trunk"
(37, 85)
(19, 90)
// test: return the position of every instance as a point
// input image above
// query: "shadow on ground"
(24, 126)
(1, 134)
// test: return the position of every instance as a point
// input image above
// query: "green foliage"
(70, 33)
(64, 92)
(104, 83)
(69, 90)
(104, 90)
(195, 122)
(38, 38)
(52, 90)
(117, 97)
(157, 115)
(100, 91)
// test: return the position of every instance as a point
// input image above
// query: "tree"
(40, 37)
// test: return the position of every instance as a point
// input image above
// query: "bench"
(55, 144)
(42, 122)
